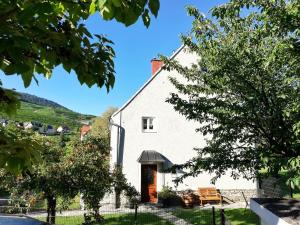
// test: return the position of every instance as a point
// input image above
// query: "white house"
(63, 129)
(148, 136)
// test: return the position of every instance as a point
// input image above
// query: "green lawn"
(204, 217)
(116, 219)
(74, 203)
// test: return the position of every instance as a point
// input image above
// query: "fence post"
(135, 213)
(222, 217)
(291, 188)
(213, 216)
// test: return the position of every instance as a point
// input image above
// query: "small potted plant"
(166, 195)
(188, 198)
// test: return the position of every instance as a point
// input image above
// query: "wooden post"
(291, 189)
(222, 217)
(213, 216)
(135, 214)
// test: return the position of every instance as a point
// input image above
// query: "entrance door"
(148, 186)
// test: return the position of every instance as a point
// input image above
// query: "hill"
(34, 108)
(38, 100)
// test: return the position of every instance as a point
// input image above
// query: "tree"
(47, 178)
(100, 126)
(17, 149)
(244, 90)
(37, 36)
(89, 171)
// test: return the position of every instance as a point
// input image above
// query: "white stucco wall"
(175, 137)
(266, 216)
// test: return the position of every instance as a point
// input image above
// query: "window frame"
(148, 130)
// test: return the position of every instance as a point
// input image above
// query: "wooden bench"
(209, 194)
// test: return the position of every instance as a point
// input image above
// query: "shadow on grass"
(241, 217)
(204, 217)
(196, 216)
(115, 219)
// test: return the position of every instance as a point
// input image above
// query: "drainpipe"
(117, 195)
(118, 138)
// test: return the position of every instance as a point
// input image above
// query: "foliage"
(166, 193)
(120, 183)
(17, 149)
(38, 100)
(126, 12)
(55, 116)
(88, 169)
(46, 178)
(37, 36)
(8, 101)
(100, 125)
(244, 89)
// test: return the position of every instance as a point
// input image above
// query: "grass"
(115, 219)
(74, 203)
(204, 217)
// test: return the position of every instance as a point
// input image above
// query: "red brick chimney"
(156, 65)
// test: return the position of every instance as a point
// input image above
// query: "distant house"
(63, 129)
(28, 125)
(47, 130)
(3, 122)
(84, 131)
(34, 125)
(19, 124)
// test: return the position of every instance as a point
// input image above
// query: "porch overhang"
(151, 157)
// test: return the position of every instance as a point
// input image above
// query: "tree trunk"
(51, 209)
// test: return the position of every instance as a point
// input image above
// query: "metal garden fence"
(138, 215)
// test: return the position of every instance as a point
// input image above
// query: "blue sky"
(135, 46)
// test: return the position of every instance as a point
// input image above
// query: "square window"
(148, 124)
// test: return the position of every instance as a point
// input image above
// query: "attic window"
(148, 124)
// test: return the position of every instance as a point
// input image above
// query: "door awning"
(151, 156)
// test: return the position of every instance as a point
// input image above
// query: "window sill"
(149, 131)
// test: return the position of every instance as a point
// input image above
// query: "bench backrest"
(207, 191)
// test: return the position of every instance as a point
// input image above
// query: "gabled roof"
(85, 129)
(146, 84)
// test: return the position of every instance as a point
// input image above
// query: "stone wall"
(233, 195)
(229, 196)
(236, 195)
(269, 188)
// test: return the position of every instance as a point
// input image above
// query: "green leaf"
(107, 11)
(117, 3)
(154, 7)
(146, 18)
(22, 68)
(101, 3)
(27, 77)
(92, 9)
(10, 69)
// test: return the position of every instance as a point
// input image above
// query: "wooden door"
(148, 185)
